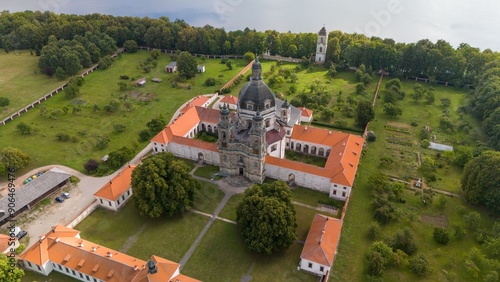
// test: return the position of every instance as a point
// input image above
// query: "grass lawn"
(308, 196)
(304, 158)
(349, 264)
(54, 276)
(207, 171)
(229, 210)
(223, 256)
(21, 80)
(99, 88)
(208, 198)
(113, 229)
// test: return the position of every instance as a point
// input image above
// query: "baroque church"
(252, 139)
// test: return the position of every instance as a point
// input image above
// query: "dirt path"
(132, 239)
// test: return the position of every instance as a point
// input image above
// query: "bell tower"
(321, 47)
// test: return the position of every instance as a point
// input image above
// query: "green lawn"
(229, 210)
(99, 88)
(207, 171)
(113, 229)
(308, 196)
(223, 256)
(349, 264)
(304, 158)
(208, 198)
(21, 81)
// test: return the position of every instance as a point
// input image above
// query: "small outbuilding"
(201, 68)
(171, 68)
(306, 115)
(115, 193)
(140, 82)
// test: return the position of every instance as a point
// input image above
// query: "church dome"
(256, 94)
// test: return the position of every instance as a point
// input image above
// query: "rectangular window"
(321, 268)
(81, 275)
(74, 273)
(128, 193)
(95, 280)
(86, 276)
(345, 188)
(67, 270)
(60, 267)
(310, 265)
(109, 203)
(118, 202)
(123, 197)
(343, 194)
(29, 263)
(39, 268)
(334, 185)
(101, 201)
(334, 192)
(273, 148)
(53, 264)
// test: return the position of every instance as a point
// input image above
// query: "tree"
(425, 143)
(91, 165)
(441, 235)
(155, 54)
(374, 231)
(370, 136)
(156, 124)
(101, 142)
(162, 186)
(71, 91)
(14, 158)
(419, 265)
(392, 110)
(120, 156)
(360, 88)
(24, 128)
(112, 107)
(9, 273)
(4, 101)
(210, 81)
(445, 102)
(393, 82)
(404, 241)
(472, 220)
(364, 113)
(418, 92)
(118, 127)
(105, 62)
(229, 65)
(266, 217)
(122, 85)
(186, 63)
(481, 180)
(130, 46)
(375, 263)
(249, 56)
(60, 73)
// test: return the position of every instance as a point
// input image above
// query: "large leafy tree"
(186, 63)
(163, 186)
(7, 273)
(266, 217)
(481, 180)
(364, 113)
(14, 158)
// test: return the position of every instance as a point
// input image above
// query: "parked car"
(65, 195)
(21, 234)
(59, 199)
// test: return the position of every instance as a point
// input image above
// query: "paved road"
(38, 223)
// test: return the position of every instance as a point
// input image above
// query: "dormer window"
(249, 105)
(267, 104)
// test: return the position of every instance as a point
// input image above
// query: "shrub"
(370, 136)
(441, 236)
(124, 76)
(210, 81)
(419, 265)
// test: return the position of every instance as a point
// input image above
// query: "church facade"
(252, 140)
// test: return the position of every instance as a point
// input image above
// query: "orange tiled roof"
(197, 101)
(322, 240)
(62, 246)
(208, 115)
(195, 143)
(4, 242)
(113, 189)
(229, 99)
(305, 112)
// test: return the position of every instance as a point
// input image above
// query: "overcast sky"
(456, 21)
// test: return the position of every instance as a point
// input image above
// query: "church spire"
(256, 69)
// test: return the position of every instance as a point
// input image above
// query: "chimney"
(109, 254)
(57, 239)
(136, 267)
(41, 238)
(94, 249)
(80, 244)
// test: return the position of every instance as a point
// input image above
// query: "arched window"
(320, 49)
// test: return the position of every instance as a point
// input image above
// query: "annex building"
(253, 138)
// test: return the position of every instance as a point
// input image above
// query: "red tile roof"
(305, 112)
(322, 240)
(229, 99)
(197, 101)
(62, 246)
(113, 189)
(4, 242)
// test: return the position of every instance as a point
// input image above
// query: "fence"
(242, 72)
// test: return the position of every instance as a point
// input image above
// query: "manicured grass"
(54, 276)
(304, 217)
(169, 238)
(208, 197)
(349, 264)
(308, 196)
(304, 158)
(207, 171)
(229, 210)
(99, 88)
(113, 229)
(21, 80)
(223, 256)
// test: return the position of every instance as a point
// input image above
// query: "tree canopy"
(186, 63)
(364, 113)
(7, 273)
(481, 180)
(266, 217)
(162, 186)
(14, 158)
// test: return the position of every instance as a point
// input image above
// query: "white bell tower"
(321, 47)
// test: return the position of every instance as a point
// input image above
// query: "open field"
(447, 261)
(99, 89)
(21, 80)
(223, 256)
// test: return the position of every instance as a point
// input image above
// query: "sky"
(456, 21)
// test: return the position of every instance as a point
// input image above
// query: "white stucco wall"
(340, 190)
(192, 153)
(316, 267)
(311, 181)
